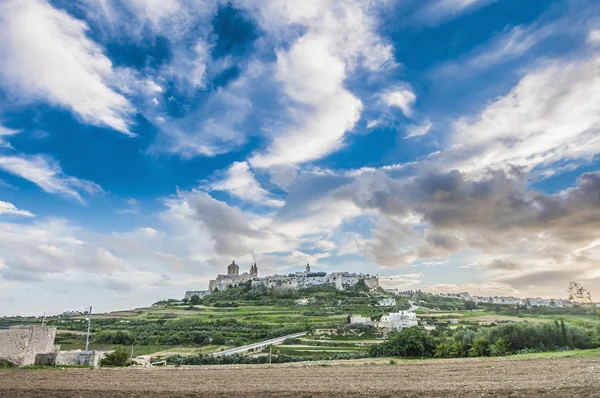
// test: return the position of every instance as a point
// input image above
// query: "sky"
(444, 145)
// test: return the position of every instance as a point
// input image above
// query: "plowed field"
(448, 378)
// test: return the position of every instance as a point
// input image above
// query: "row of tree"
(492, 341)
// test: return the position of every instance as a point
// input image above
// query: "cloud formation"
(48, 175)
(47, 56)
(10, 209)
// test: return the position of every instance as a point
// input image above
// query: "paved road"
(262, 344)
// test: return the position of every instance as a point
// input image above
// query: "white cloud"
(48, 175)
(240, 181)
(5, 132)
(418, 130)
(9, 208)
(339, 37)
(549, 117)
(400, 98)
(594, 36)
(134, 207)
(46, 56)
(437, 11)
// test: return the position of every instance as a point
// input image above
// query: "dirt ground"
(451, 378)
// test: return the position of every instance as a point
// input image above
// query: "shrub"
(410, 342)
(121, 337)
(119, 357)
(5, 364)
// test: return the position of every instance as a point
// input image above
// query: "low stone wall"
(78, 357)
(21, 345)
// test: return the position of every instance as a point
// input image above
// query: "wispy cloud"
(48, 57)
(134, 207)
(241, 182)
(10, 209)
(5, 132)
(418, 130)
(437, 11)
(48, 175)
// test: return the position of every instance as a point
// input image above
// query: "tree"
(443, 350)
(480, 347)
(118, 357)
(195, 300)
(500, 348)
(579, 293)
(470, 305)
(409, 342)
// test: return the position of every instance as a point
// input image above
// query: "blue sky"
(444, 144)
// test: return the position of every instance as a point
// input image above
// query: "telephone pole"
(87, 339)
(43, 319)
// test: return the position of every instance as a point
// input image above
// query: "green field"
(241, 316)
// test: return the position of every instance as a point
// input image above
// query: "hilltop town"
(298, 280)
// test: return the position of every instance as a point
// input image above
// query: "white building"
(302, 301)
(354, 319)
(398, 320)
(387, 302)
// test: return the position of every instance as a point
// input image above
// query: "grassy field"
(171, 328)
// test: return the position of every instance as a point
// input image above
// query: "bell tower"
(254, 270)
(307, 268)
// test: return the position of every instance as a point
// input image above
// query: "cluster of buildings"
(297, 280)
(527, 302)
(394, 321)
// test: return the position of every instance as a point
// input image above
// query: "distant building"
(453, 321)
(302, 301)
(72, 313)
(387, 302)
(398, 320)
(233, 269)
(359, 319)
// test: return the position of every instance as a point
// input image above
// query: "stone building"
(21, 345)
(233, 269)
(253, 270)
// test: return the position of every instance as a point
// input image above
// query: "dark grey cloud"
(495, 213)
(226, 225)
(504, 265)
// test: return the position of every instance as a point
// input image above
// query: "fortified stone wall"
(200, 293)
(20, 345)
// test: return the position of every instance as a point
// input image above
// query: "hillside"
(179, 329)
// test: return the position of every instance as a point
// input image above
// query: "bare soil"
(572, 377)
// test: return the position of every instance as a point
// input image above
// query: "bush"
(4, 364)
(409, 342)
(118, 358)
(120, 337)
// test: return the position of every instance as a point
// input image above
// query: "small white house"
(302, 301)
(387, 302)
(453, 321)
(398, 320)
(354, 319)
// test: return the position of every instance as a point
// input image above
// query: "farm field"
(570, 377)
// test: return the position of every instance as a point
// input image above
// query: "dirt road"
(451, 378)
